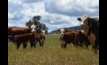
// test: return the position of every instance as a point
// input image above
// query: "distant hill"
(68, 28)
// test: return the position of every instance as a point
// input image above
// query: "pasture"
(51, 54)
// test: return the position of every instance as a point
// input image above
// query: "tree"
(44, 27)
(29, 23)
(36, 21)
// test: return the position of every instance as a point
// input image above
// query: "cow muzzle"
(82, 25)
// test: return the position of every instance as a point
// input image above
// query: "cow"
(43, 36)
(66, 37)
(81, 38)
(15, 30)
(62, 31)
(39, 38)
(77, 37)
(91, 26)
(23, 39)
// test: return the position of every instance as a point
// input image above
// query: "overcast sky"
(55, 13)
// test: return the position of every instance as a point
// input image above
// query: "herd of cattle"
(88, 36)
(20, 35)
(77, 37)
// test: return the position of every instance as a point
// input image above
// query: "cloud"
(59, 21)
(15, 16)
(55, 13)
(12, 7)
(33, 9)
(72, 7)
(31, 1)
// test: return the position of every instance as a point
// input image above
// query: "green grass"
(51, 54)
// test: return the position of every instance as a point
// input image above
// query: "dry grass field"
(51, 54)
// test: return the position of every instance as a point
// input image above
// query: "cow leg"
(81, 44)
(31, 44)
(24, 45)
(76, 44)
(77, 40)
(18, 45)
(96, 45)
(93, 47)
(62, 43)
(73, 43)
(41, 42)
(35, 44)
(65, 45)
(86, 45)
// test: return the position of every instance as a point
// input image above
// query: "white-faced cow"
(91, 26)
(66, 37)
(21, 34)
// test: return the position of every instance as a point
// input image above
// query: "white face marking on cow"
(62, 31)
(84, 22)
(43, 32)
(33, 28)
(81, 23)
(84, 19)
(82, 30)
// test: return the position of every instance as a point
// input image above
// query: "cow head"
(43, 32)
(33, 28)
(85, 22)
(62, 31)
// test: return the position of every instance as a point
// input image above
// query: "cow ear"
(79, 19)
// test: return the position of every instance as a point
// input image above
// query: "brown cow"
(66, 38)
(14, 30)
(91, 26)
(74, 37)
(81, 38)
(39, 38)
(23, 38)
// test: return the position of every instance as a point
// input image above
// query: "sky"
(54, 13)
